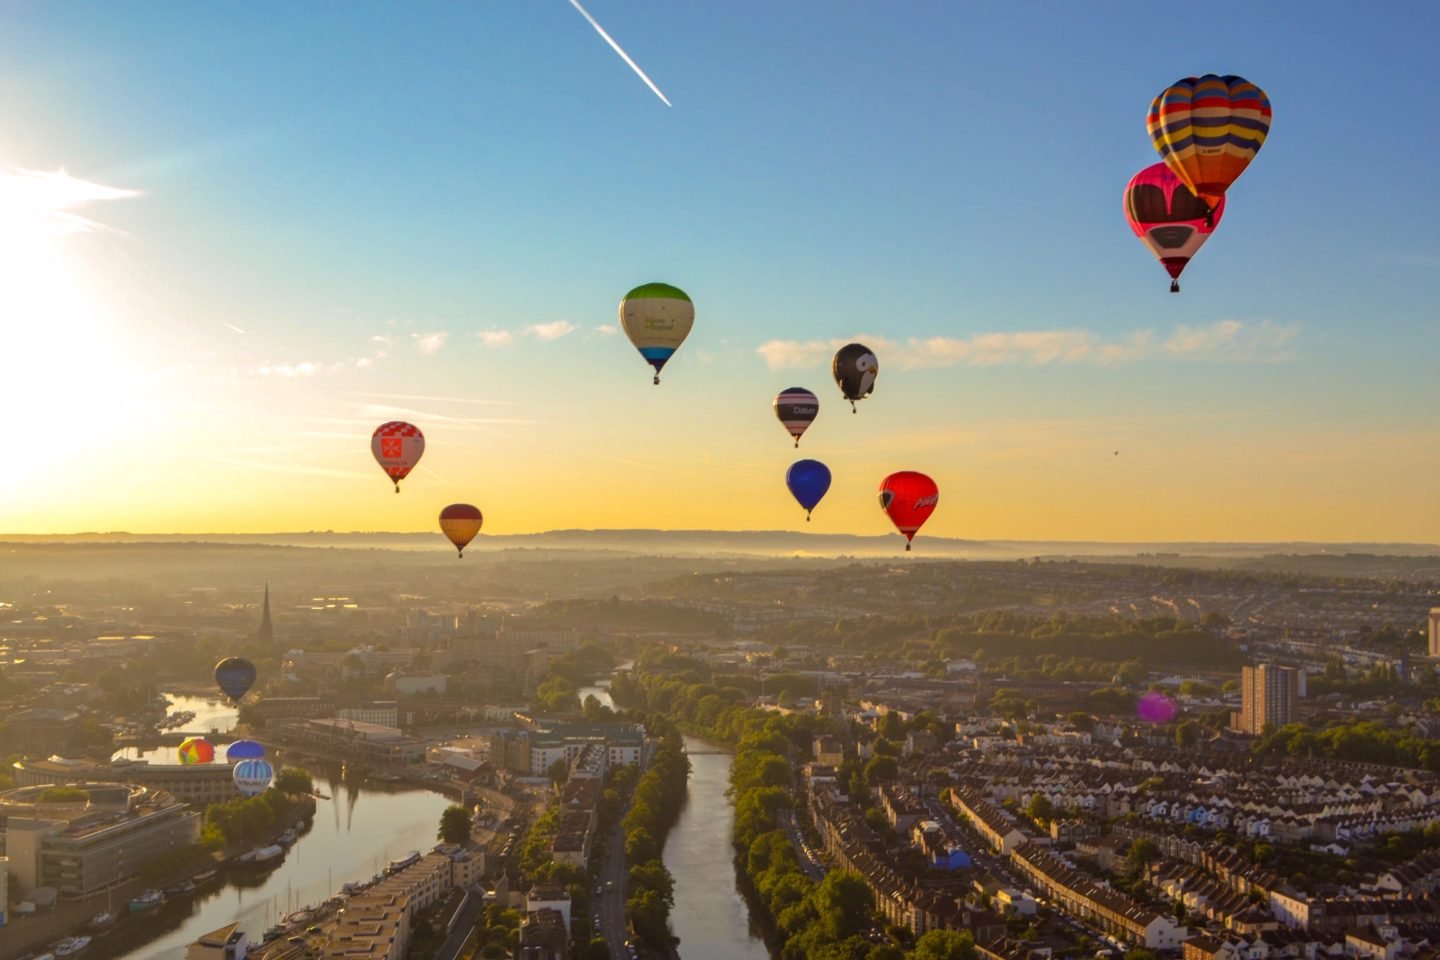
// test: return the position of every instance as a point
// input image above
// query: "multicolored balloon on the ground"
(245, 750)
(196, 750)
(908, 498)
(397, 447)
(235, 676)
(657, 318)
(460, 522)
(1155, 707)
(253, 776)
(808, 481)
(1168, 218)
(796, 408)
(1208, 129)
(854, 369)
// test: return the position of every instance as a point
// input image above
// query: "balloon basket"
(1174, 286)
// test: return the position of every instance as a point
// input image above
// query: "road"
(610, 905)
(812, 866)
(464, 924)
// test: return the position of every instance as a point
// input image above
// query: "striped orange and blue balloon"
(1208, 129)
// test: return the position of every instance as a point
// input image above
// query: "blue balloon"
(244, 750)
(252, 776)
(235, 676)
(808, 480)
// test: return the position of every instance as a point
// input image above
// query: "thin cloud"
(1232, 341)
(551, 331)
(608, 329)
(429, 343)
(290, 371)
(432, 398)
(49, 199)
(232, 327)
(623, 55)
(496, 338)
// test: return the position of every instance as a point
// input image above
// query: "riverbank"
(69, 917)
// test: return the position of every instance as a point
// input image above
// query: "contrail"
(232, 327)
(623, 55)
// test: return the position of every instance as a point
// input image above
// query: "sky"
(234, 239)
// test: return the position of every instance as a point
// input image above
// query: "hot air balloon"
(797, 408)
(235, 676)
(245, 750)
(657, 318)
(253, 776)
(1155, 707)
(460, 522)
(1168, 218)
(1208, 129)
(397, 447)
(196, 750)
(908, 498)
(854, 368)
(808, 480)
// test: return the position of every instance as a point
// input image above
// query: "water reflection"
(378, 824)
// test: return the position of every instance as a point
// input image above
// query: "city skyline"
(228, 252)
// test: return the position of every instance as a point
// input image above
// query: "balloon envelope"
(854, 369)
(1155, 707)
(1208, 129)
(245, 750)
(460, 522)
(253, 776)
(397, 447)
(808, 481)
(796, 408)
(235, 676)
(657, 318)
(196, 750)
(1168, 218)
(908, 498)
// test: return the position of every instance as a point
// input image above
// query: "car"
(609, 884)
(313, 928)
(294, 939)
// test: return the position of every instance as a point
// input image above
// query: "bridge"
(707, 753)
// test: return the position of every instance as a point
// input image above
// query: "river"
(354, 835)
(710, 916)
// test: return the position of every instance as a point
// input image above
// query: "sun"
(63, 383)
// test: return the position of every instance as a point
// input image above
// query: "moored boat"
(71, 945)
(102, 920)
(146, 901)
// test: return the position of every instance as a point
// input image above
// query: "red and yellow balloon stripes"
(460, 522)
(1208, 129)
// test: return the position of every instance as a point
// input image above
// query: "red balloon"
(908, 498)
(1168, 218)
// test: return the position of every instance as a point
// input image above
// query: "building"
(79, 846)
(1434, 635)
(383, 713)
(266, 633)
(227, 943)
(43, 731)
(350, 740)
(198, 784)
(1269, 696)
(549, 897)
(4, 888)
(543, 936)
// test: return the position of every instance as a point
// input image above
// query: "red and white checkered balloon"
(397, 447)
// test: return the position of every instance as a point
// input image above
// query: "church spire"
(267, 632)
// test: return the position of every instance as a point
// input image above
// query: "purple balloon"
(1155, 707)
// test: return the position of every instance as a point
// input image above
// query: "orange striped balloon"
(460, 522)
(1208, 129)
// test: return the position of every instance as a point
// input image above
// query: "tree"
(294, 781)
(881, 770)
(558, 771)
(1040, 809)
(1187, 734)
(944, 945)
(454, 825)
(1142, 853)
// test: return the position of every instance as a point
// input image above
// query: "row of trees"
(658, 798)
(1368, 741)
(827, 920)
(249, 819)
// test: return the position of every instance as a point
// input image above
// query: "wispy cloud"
(232, 327)
(429, 343)
(48, 200)
(623, 55)
(551, 331)
(1230, 341)
(435, 399)
(608, 329)
(495, 338)
(291, 371)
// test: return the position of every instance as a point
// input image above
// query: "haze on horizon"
(227, 252)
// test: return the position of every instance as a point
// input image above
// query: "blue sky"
(324, 174)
